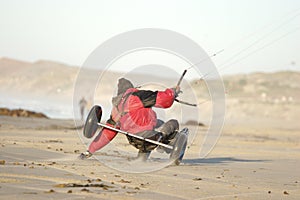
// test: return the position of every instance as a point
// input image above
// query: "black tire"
(179, 147)
(94, 117)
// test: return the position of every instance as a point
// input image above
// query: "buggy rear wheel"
(179, 147)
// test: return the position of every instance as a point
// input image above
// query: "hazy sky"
(256, 35)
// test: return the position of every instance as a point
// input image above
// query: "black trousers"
(164, 133)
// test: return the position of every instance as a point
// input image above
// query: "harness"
(120, 101)
(116, 102)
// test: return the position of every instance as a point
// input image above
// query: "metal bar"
(186, 103)
(179, 82)
(136, 136)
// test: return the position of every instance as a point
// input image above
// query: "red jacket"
(134, 113)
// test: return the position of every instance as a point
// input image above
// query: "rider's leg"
(145, 148)
(169, 129)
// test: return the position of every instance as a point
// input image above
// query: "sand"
(38, 160)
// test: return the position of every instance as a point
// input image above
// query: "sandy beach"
(39, 161)
(257, 154)
(227, 71)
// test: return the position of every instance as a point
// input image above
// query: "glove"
(85, 155)
(177, 91)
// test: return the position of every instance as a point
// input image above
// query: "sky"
(252, 35)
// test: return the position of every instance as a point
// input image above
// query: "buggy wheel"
(179, 147)
(94, 117)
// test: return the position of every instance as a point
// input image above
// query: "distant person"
(132, 112)
(82, 106)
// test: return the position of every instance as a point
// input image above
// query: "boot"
(143, 155)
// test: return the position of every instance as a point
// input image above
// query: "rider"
(132, 112)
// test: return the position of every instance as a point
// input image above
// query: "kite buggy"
(132, 115)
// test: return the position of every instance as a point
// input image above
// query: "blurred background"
(254, 44)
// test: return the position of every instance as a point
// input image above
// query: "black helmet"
(124, 85)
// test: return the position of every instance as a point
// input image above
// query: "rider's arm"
(102, 139)
(165, 99)
(160, 99)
